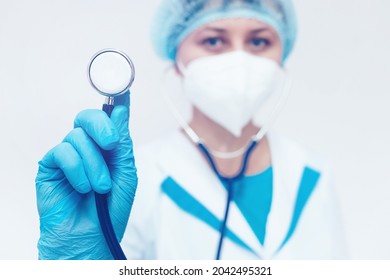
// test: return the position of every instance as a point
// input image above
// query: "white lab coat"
(159, 229)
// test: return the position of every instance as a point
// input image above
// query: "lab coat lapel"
(288, 163)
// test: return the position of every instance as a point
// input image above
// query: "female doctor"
(224, 196)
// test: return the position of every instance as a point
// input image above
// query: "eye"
(259, 42)
(213, 42)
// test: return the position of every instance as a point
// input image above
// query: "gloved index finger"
(123, 99)
(99, 127)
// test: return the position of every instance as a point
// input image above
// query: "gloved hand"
(70, 173)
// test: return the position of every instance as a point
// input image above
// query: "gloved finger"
(120, 118)
(123, 99)
(94, 164)
(66, 158)
(99, 127)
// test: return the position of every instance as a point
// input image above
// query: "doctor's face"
(229, 35)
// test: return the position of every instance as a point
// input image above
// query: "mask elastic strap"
(179, 118)
(181, 67)
(287, 85)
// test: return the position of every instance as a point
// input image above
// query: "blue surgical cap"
(176, 19)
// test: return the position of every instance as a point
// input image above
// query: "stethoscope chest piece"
(111, 72)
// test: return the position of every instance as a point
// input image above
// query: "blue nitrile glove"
(70, 173)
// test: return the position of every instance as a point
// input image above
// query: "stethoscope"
(111, 73)
(229, 182)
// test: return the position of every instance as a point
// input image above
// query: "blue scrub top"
(253, 196)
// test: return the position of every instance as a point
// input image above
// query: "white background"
(339, 104)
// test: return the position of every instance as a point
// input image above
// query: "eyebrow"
(260, 30)
(216, 29)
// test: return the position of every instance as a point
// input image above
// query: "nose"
(238, 44)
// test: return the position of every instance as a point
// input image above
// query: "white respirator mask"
(230, 88)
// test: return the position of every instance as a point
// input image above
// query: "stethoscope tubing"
(229, 181)
(101, 201)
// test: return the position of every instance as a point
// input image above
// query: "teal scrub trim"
(189, 204)
(308, 183)
(253, 196)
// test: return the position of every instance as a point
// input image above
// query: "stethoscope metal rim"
(129, 61)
